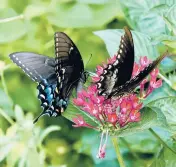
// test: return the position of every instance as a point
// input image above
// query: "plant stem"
(161, 140)
(11, 18)
(4, 84)
(6, 117)
(117, 149)
(165, 79)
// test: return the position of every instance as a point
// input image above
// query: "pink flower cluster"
(115, 112)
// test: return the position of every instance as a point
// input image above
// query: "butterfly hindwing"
(120, 71)
(36, 66)
(46, 95)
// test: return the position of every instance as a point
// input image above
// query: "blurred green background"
(30, 26)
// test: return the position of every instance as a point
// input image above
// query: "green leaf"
(13, 29)
(146, 15)
(166, 158)
(73, 112)
(35, 10)
(142, 142)
(167, 40)
(5, 147)
(150, 117)
(4, 4)
(19, 115)
(95, 2)
(170, 16)
(5, 103)
(142, 43)
(164, 91)
(79, 15)
(47, 131)
(33, 157)
(167, 106)
(20, 6)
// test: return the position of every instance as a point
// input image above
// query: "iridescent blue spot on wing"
(46, 93)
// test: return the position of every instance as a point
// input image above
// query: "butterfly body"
(56, 77)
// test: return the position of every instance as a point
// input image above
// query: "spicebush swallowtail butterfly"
(56, 77)
(115, 81)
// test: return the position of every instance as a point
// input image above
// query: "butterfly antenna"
(88, 60)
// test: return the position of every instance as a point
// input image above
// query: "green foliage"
(10, 29)
(29, 26)
(142, 43)
(165, 158)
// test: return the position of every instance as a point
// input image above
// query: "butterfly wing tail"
(158, 60)
(145, 72)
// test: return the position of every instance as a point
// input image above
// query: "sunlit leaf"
(5, 147)
(171, 18)
(4, 4)
(6, 103)
(147, 16)
(20, 6)
(81, 15)
(35, 10)
(96, 2)
(168, 107)
(46, 132)
(33, 157)
(19, 115)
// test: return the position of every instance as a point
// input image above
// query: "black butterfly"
(57, 77)
(115, 81)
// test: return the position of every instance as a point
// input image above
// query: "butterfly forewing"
(120, 71)
(68, 68)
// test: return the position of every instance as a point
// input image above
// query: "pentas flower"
(113, 114)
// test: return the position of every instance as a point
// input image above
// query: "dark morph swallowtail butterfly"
(115, 81)
(57, 77)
